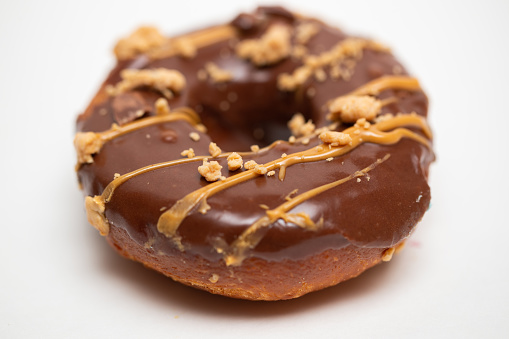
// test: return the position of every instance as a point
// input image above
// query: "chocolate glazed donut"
(262, 159)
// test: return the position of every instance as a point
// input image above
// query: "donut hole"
(250, 110)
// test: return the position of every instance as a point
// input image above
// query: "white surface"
(59, 278)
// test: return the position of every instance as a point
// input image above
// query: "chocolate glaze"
(376, 213)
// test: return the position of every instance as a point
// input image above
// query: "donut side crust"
(256, 278)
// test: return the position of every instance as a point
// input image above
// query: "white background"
(59, 278)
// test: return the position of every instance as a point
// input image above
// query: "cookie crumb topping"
(214, 278)
(271, 173)
(305, 31)
(188, 153)
(162, 106)
(250, 164)
(234, 161)
(217, 75)
(271, 48)
(95, 208)
(142, 40)
(194, 136)
(185, 47)
(259, 169)
(388, 253)
(350, 108)
(86, 144)
(335, 138)
(211, 171)
(299, 127)
(214, 150)
(163, 80)
(340, 60)
(255, 148)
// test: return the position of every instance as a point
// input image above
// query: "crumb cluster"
(305, 31)
(188, 153)
(299, 127)
(335, 138)
(194, 136)
(234, 161)
(340, 61)
(250, 164)
(162, 107)
(216, 74)
(184, 47)
(214, 150)
(211, 171)
(272, 47)
(142, 40)
(350, 108)
(86, 144)
(163, 80)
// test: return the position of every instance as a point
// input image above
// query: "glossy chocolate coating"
(376, 213)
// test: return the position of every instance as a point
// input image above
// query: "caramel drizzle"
(235, 253)
(198, 39)
(170, 220)
(383, 83)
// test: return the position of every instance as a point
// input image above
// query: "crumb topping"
(250, 164)
(271, 173)
(384, 117)
(306, 31)
(329, 159)
(185, 47)
(214, 150)
(259, 169)
(95, 214)
(217, 74)
(194, 136)
(163, 80)
(255, 148)
(387, 254)
(142, 40)
(188, 153)
(162, 107)
(214, 278)
(234, 161)
(86, 144)
(350, 108)
(271, 48)
(211, 171)
(299, 127)
(299, 51)
(340, 60)
(362, 123)
(335, 138)
(290, 82)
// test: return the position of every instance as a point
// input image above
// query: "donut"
(261, 159)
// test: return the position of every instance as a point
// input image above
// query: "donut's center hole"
(260, 120)
(233, 137)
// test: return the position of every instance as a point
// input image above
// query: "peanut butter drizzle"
(170, 220)
(381, 84)
(198, 39)
(235, 253)
(99, 139)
